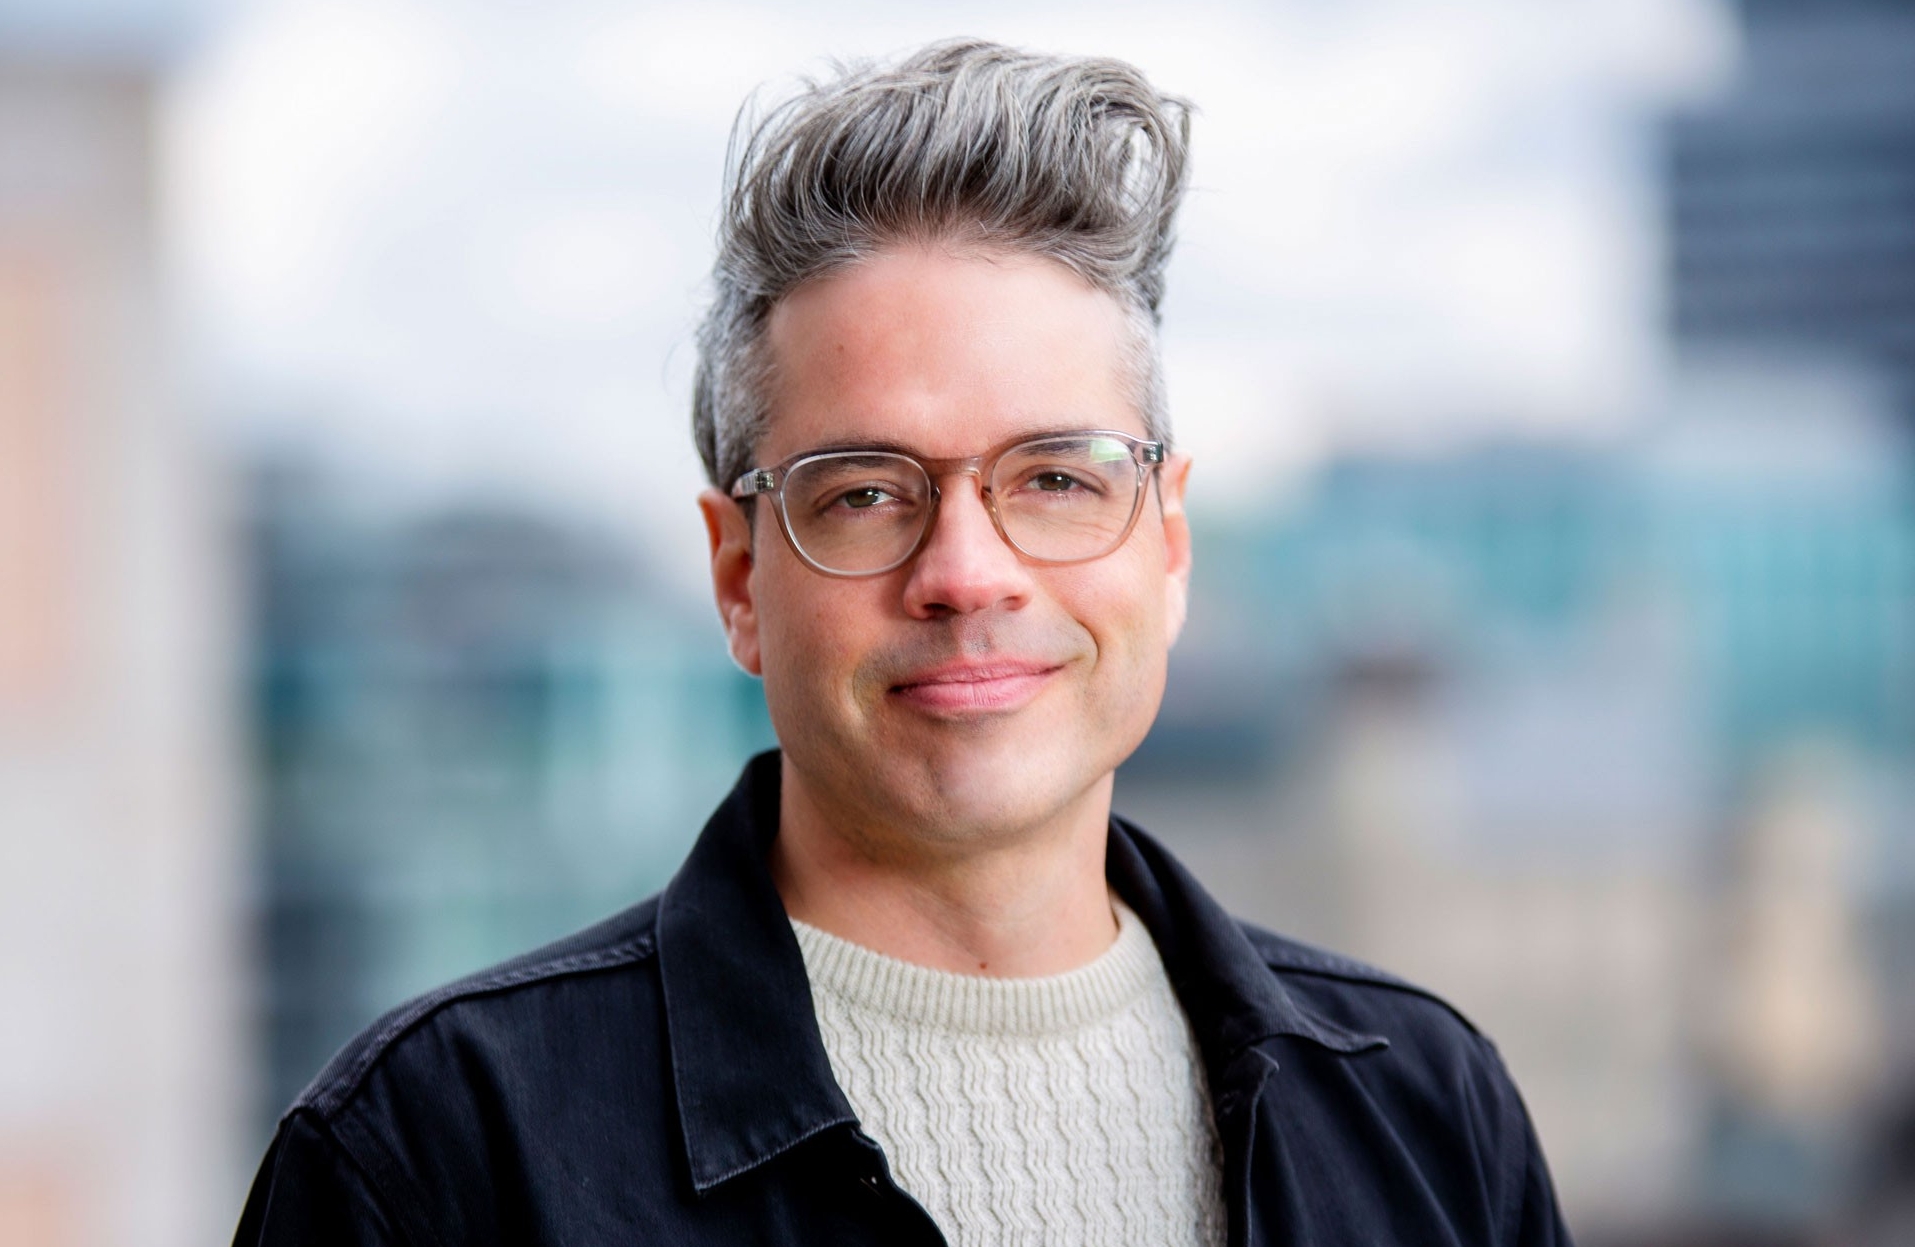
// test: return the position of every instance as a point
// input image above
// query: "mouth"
(976, 688)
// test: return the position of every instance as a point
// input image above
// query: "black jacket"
(659, 1078)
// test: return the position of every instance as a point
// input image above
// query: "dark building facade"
(1792, 197)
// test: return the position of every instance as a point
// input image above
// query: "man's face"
(970, 693)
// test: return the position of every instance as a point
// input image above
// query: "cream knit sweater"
(1070, 1109)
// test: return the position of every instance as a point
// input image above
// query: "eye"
(865, 497)
(1060, 482)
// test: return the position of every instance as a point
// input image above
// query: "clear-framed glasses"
(1065, 497)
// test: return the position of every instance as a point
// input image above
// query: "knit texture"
(1070, 1109)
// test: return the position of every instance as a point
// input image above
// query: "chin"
(977, 791)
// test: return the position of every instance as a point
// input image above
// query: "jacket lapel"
(749, 1067)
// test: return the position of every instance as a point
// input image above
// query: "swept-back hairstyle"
(1080, 160)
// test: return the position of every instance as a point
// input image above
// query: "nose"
(964, 566)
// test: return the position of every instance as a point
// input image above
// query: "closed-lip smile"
(994, 685)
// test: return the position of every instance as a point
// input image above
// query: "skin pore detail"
(950, 727)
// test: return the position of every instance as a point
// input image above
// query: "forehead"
(946, 352)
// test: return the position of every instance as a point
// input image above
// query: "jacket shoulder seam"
(1290, 958)
(331, 1093)
(1380, 980)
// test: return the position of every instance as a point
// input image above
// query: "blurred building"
(123, 1061)
(479, 729)
(1792, 200)
(1792, 237)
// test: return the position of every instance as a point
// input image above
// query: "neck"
(1013, 905)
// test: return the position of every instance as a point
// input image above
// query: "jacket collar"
(748, 1064)
(1227, 990)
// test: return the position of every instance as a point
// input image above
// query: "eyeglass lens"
(1058, 499)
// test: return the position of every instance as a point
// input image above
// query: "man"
(915, 983)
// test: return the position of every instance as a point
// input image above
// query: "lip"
(988, 687)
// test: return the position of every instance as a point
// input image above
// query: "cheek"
(809, 632)
(1125, 617)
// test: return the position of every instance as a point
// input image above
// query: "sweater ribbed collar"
(977, 1004)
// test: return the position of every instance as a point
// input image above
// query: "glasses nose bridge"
(940, 470)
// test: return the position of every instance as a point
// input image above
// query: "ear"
(729, 531)
(1172, 479)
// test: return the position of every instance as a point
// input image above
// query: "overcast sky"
(467, 241)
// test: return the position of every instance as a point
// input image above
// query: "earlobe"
(728, 531)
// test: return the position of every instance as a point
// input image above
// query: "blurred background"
(1550, 373)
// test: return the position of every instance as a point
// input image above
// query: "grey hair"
(1079, 160)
